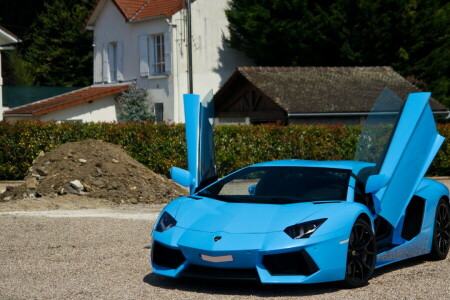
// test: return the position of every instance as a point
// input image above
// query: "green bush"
(161, 146)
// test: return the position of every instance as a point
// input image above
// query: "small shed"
(308, 95)
(89, 104)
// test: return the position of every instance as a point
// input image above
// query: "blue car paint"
(248, 246)
(412, 149)
(250, 231)
(199, 136)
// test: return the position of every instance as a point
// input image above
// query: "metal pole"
(189, 38)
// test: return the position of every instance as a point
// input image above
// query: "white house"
(144, 42)
(7, 40)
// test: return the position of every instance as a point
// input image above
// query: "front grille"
(291, 263)
(196, 271)
(166, 257)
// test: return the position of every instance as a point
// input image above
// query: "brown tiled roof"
(129, 7)
(325, 89)
(139, 10)
(67, 100)
(153, 8)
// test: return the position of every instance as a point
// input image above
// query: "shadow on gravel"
(246, 288)
(400, 265)
(242, 288)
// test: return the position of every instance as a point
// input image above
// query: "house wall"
(213, 61)
(100, 110)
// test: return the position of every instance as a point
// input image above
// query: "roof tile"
(153, 8)
(325, 89)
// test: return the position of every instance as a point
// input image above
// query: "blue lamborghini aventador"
(298, 221)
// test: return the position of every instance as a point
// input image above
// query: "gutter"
(17, 115)
(3, 48)
(146, 19)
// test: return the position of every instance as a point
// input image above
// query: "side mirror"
(252, 190)
(376, 183)
(181, 176)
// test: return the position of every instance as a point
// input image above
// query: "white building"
(7, 39)
(145, 42)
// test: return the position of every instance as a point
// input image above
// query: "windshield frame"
(213, 191)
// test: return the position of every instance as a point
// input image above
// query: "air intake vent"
(291, 263)
(166, 257)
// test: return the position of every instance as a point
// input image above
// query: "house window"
(232, 121)
(154, 55)
(159, 112)
(158, 59)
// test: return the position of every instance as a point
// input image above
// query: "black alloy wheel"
(441, 231)
(361, 255)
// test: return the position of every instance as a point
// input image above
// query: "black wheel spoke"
(361, 254)
(364, 263)
(441, 234)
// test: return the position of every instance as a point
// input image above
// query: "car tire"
(441, 231)
(361, 255)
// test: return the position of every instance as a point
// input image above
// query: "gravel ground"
(104, 254)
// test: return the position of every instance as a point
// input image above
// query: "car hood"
(209, 215)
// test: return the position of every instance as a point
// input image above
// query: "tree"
(20, 72)
(59, 50)
(413, 36)
(135, 106)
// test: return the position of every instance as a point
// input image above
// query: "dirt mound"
(95, 169)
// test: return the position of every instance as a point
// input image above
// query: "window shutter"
(105, 67)
(143, 56)
(111, 63)
(151, 54)
(119, 61)
(168, 52)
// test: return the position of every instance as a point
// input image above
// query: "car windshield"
(281, 185)
(379, 127)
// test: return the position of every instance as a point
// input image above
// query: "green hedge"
(161, 146)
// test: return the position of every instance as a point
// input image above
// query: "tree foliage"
(19, 71)
(135, 106)
(413, 36)
(58, 48)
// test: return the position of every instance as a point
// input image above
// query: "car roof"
(355, 166)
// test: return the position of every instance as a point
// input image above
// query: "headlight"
(165, 222)
(303, 230)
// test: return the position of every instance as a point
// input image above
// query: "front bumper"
(270, 257)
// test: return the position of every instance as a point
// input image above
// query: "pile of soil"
(95, 169)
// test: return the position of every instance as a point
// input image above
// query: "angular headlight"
(303, 230)
(165, 222)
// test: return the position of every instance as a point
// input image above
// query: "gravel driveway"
(104, 254)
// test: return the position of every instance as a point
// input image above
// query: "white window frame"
(155, 55)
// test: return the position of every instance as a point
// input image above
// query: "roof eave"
(58, 106)
(93, 16)
(148, 19)
(9, 37)
(5, 113)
